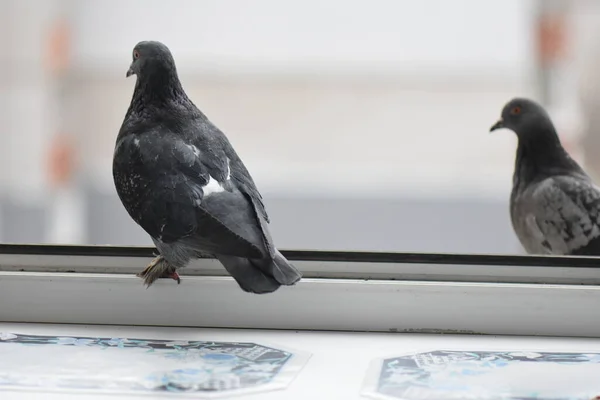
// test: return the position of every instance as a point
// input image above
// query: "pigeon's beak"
(129, 72)
(497, 125)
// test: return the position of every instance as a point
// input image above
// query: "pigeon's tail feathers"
(250, 273)
(283, 271)
(250, 278)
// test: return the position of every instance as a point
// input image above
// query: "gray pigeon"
(554, 205)
(180, 179)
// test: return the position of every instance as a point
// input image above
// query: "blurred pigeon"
(181, 180)
(554, 205)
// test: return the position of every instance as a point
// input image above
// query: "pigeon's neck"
(160, 88)
(541, 156)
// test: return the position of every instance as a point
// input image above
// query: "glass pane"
(364, 124)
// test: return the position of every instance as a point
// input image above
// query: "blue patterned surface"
(490, 375)
(140, 365)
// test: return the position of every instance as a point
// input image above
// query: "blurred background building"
(364, 124)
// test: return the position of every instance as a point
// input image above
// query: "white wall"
(28, 91)
(345, 96)
(462, 36)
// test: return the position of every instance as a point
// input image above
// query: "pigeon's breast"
(129, 174)
(132, 189)
(129, 183)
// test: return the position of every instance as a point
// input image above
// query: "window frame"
(340, 291)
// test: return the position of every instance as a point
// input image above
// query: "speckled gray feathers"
(559, 215)
(180, 179)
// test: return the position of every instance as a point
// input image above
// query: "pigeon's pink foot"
(175, 276)
(159, 268)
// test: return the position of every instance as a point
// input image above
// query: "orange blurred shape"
(61, 160)
(551, 37)
(58, 47)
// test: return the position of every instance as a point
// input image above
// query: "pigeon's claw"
(175, 276)
(158, 268)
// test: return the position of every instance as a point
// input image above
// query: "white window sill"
(493, 295)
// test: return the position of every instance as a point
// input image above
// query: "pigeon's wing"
(246, 184)
(566, 213)
(243, 182)
(178, 198)
(535, 240)
(239, 174)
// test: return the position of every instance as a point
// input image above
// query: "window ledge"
(375, 292)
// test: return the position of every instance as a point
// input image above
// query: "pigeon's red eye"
(516, 110)
(136, 54)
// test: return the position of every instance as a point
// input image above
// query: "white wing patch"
(213, 186)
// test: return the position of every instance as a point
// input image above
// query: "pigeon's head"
(149, 57)
(524, 117)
